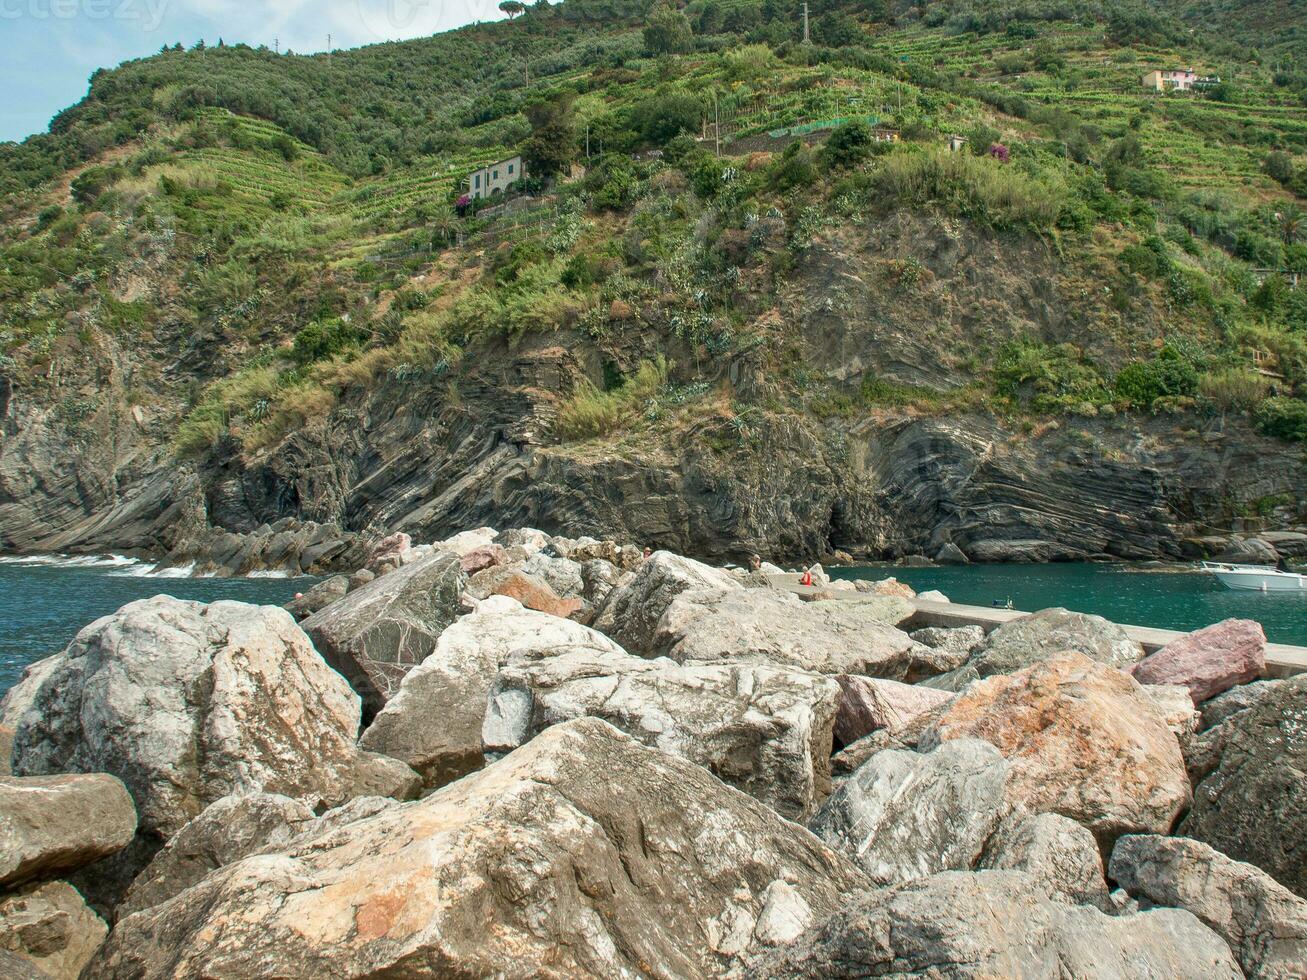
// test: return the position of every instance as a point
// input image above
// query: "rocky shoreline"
(509, 753)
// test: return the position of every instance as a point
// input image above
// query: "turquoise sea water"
(1168, 600)
(43, 604)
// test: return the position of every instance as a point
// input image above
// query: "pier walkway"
(1282, 659)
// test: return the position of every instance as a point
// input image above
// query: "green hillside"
(287, 225)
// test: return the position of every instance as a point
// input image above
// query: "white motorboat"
(1256, 578)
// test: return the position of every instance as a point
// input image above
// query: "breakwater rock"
(624, 784)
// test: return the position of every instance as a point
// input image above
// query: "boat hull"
(1254, 579)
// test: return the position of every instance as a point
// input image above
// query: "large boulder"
(631, 612)
(186, 703)
(1057, 852)
(1208, 661)
(1248, 795)
(434, 721)
(1264, 923)
(868, 704)
(227, 830)
(904, 815)
(50, 928)
(769, 626)
(465, 542)
(530, 590)
(1044, 634)
(563, 575)
(1235, 700)
(763, 730)
(53, 824)
(378, 633)
(583, 853)
(1083, 740)
(996, 924)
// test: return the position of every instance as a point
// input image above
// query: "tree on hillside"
(668, 31)
(552, 143)
(512, 8)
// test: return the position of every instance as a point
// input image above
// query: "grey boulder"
(1263, 922)
(631, 612)
(379, 632)
(433, 723)
(764, 730)
(1040, 635)
(1057, 852)
(187, 703)
(227, 830)
(997, 924)
(773, 627)
(904, 815)
(53, 824)
(1248, 798)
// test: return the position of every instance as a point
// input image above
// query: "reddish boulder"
(1208, 661)
(1083, 739)
(530, 590)
(868, 704)
(487, 556)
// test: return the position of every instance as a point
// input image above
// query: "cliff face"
(401, 457)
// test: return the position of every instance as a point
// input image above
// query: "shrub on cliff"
(1047, 378)
(976, 187)
(592, 412)
(1284, 418)
(1166, 376)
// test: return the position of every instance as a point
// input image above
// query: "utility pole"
(587, 141)
(806, 38)
(328, 49)
(276, 45)
(717, 123)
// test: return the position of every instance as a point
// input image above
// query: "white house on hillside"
(494, 178)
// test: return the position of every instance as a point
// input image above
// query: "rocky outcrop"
(50, 929)
(378, 633)
(226, 831)
(902, 815)
(646, 864)
(631, 613)
(1057, 852)
(764, 730)
(996, 924)
(1248, 799)
(1040, 635)
(1082, 739)
(769, 626)
(319, 597)
(53, 824)
(434, 721)
(1263, 922)
(187, 703)
(869, 704)
(1208, 661)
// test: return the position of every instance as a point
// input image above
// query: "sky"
(49, 48)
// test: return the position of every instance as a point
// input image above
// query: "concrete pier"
(1282, 659)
